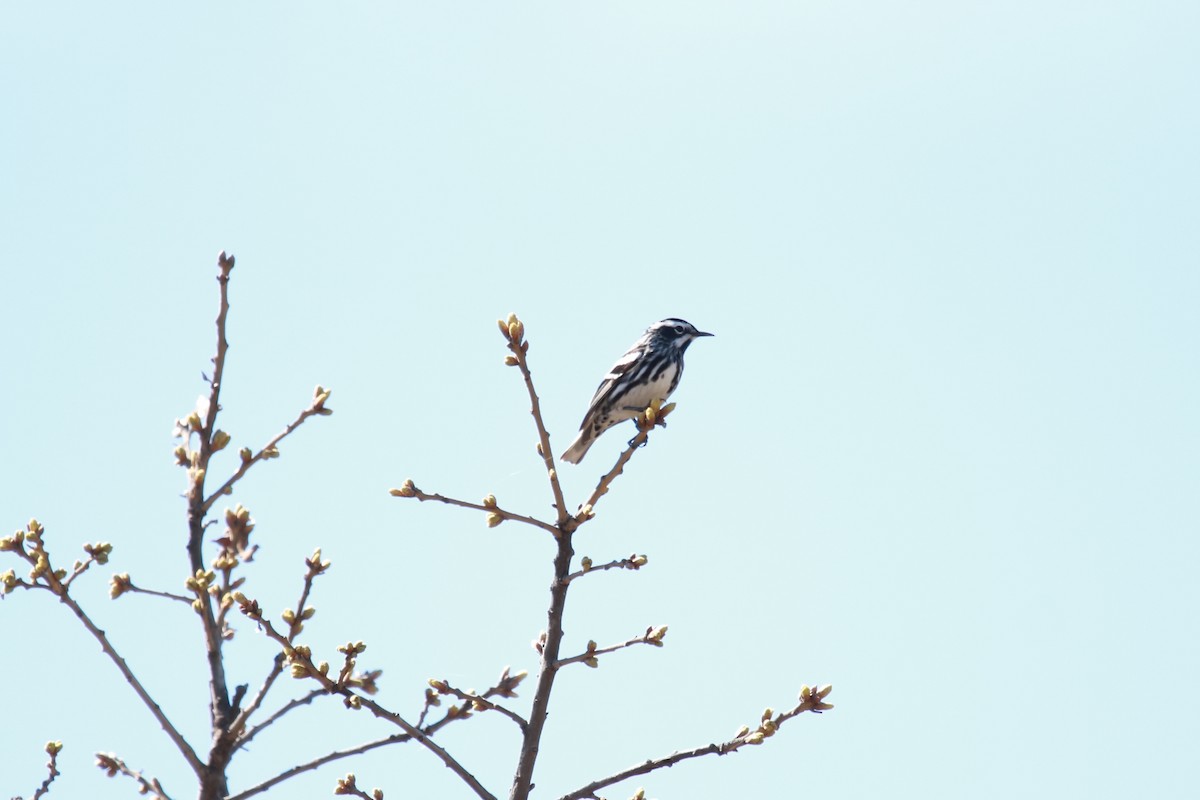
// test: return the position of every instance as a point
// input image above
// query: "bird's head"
(675, 332)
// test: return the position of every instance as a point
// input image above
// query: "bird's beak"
(702, 333)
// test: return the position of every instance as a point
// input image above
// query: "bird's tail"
(578, 449)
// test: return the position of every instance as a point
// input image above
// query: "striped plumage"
(649, 371)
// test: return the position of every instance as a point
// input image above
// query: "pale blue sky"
(942, 452)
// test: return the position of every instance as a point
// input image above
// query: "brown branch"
(549, 648)
(155, 593)
(309, 766)
(587, 510)
(301, 660)
(482, 702)
(45, 572)
(146, 786)
(213, 781)
(349, 786)
(810, 700)
(652, 636)
(180, 743)
(291, 705)
(514, 331)
(397, 738)
(52, 749)
(409, 490)
(315, 567)
(270, 449)
(633, 562)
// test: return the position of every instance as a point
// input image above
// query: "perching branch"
(652, 417)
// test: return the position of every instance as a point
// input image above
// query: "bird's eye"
(679, 329)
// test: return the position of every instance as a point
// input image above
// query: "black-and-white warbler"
(649, 371)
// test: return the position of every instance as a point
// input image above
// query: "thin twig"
(309, 766)
(291, 705)
(514, 331)
(155, 593)
(348, 786)
(146, 786)
(52, 749)
(213, 781)
(813, 702)
(481, 702)
(423, 496)
(586, 511)
(60, 591)
(315, 567)
(633, 562)
(334, 687)
(269, 450)
(652, 636)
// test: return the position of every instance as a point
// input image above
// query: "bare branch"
(633, 562)
(309, 766)
(652, 636)
(45, 572)
(481, 702)
(146, 786)
(810, 700)
(548, 647)
(410, 490)
(587, 510)
(514, 331)
(52, 749)
(303, 665)
(270, 449)
(349, 786)
(155, 593)
(291, 705)
(315, 567)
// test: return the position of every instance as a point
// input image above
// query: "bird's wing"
(618, 369)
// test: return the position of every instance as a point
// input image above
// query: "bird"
(649, 371)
